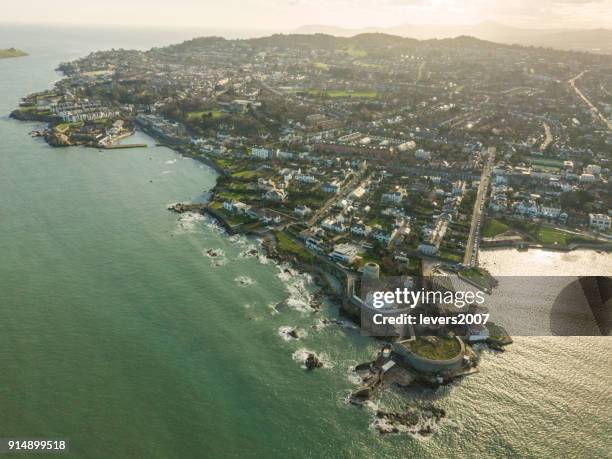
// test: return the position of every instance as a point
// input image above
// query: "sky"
(286, 15)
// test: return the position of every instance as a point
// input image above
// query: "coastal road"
(471, 249)
(594, 110)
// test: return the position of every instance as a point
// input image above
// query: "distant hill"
(596, 40)
(371, 44)
(11, 52)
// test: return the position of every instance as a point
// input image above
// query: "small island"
(11, 52)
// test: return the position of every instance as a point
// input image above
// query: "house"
(593, 169)
(332, 224)
(315, 244)
(261, 153)
(385, 237)
(304, 178)
(332, 187)
(270, 218)
(236, 207)
(394, 197)
(550, 212)
(344, 253)
(302, 211)
(275, 195)
(600, 222)
(422, 155)
(526, 208)
(359, 229)
(284, 154)
(586, 178)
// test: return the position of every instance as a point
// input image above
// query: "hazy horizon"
(287, 15)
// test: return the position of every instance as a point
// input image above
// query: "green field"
(552, 236)
(321, 65)
(547, 162)
(337, 93)
(63, 127)
(287, 245)
(246, 175)
(494, 227)
(440, 349)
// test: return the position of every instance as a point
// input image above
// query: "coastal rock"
(418, 422)
(291, 334)
(312, 362)
(244, 281)
(56, 139)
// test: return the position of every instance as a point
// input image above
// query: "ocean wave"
(250, 251)
(189, 222)
(297, 287)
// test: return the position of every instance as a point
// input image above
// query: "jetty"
(181, 208)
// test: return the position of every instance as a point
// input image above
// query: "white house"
(586, 178)
(262, 153)
(345, 253)
(394, 197)
(332, 187)
(600, 222)
(302, 211)
(422, 155)
(359, 229)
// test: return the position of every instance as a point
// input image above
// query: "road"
(594, 110)
(548, 138)
(346, 190)
(471, 249)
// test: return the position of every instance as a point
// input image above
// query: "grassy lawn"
(547, 162)
(246, 175)
(321, 65)
(439, 349)
(63, 127)
(493, 228)
(552, 236)
(337, 93)
(454, 256)
(287, 245)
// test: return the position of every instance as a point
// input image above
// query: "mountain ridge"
(593, 40)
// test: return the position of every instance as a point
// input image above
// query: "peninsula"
(11, 52)
(372, 157)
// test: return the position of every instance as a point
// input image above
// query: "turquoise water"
(122, 335)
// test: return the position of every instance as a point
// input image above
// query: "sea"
(132, 331)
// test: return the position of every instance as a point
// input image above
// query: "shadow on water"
(571, 315)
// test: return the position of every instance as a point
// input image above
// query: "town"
(366, 149)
